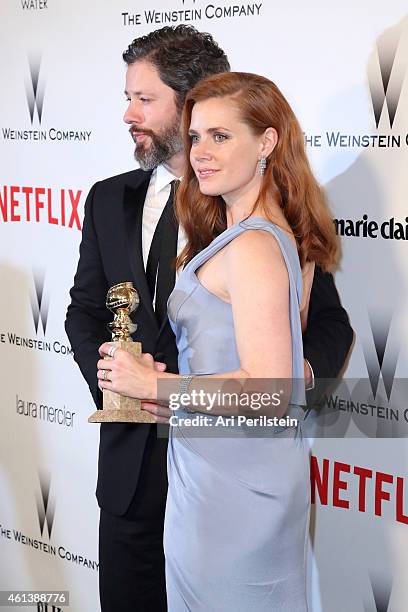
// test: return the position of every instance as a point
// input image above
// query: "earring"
(262, 165)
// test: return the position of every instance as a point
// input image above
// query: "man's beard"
(162, 147)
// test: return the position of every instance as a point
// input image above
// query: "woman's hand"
(127, 374)
(160, 413)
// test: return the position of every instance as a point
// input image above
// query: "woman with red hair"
(256, 223)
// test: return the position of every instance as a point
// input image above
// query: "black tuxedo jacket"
(110, 253)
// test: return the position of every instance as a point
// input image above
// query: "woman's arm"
(257, 283)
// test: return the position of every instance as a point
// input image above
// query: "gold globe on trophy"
(122, 299)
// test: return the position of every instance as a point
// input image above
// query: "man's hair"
(182, 56)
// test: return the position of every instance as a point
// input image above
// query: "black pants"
(131, 557)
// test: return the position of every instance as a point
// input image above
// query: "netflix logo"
(40, 205)
(353, 487)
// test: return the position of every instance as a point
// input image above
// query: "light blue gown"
(237, 513)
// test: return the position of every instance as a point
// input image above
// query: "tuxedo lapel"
(133, 201)
(163, 326)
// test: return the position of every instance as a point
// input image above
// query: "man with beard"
(130, 234)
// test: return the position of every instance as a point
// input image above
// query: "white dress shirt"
(157, 195)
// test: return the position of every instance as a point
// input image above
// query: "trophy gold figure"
(122, 299)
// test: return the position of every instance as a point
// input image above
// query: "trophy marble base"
(119, 408)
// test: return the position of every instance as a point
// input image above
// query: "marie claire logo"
(392, 229)
(386, 71)
(35, 95)
(173, 16)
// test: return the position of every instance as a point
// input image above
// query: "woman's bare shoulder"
(253, 246)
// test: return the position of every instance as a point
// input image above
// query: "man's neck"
(175, 164)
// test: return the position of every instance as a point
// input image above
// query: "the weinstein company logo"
(386, 73)
(188, 11)
(45, 505)
(386, 69)
(381, 357)
(34, 90)
(381, 593)
(39, 303)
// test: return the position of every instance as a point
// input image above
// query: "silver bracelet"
(184, 386)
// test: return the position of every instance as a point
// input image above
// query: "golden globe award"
(122, 299)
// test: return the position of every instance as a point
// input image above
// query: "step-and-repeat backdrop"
(342, 67)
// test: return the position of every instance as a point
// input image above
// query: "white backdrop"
(61, 129)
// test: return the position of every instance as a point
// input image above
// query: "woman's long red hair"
(288, 176)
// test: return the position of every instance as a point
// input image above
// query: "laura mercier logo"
(386, 71)
(381, 356)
